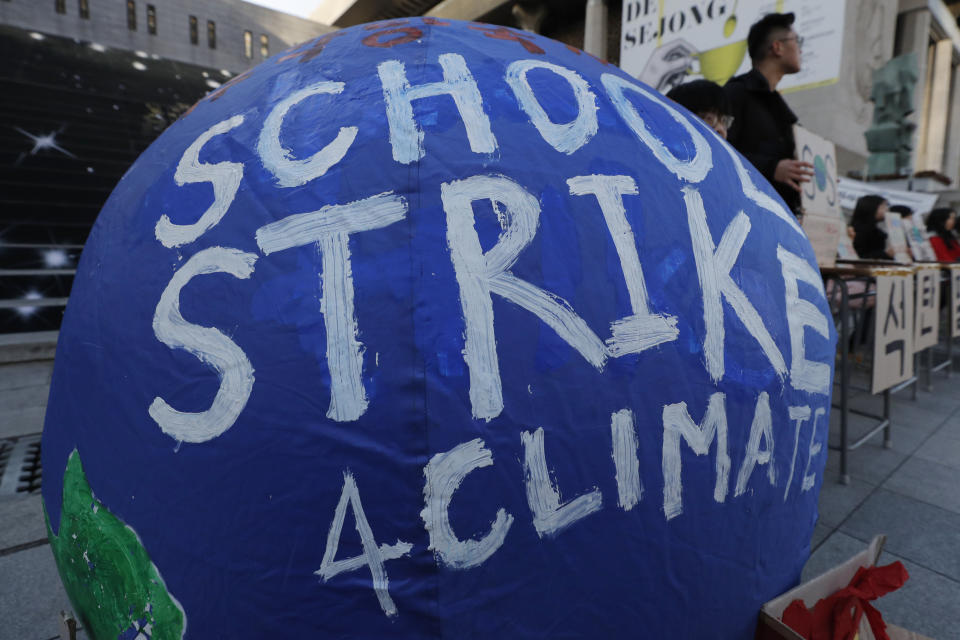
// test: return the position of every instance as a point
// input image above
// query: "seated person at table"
(870, 241)
(940, 224)
(708, 101)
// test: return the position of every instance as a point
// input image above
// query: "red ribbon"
(838, 616)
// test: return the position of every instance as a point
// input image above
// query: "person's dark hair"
(902, 210)
(759, 38)
(700, 97)
(865, 213)
(937, 223)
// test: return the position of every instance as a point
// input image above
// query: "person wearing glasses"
(707, 101)
(762, 128)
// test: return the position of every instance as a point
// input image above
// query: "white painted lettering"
(643, 329)
(480, 274)
(692, 170)
(629, 488)
(799, 415)
(373, 556)
(406, 137)
(809, 479)
(550, 517)
(224, 176)
(208, 344)
(279, 160)
(677, 423)
(714, 264)
(805, 375)
(567, 137)
(444, 473)
(762, 427)
(330, 228)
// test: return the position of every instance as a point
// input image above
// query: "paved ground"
(910, 492)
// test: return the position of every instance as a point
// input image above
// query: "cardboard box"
(769, 627)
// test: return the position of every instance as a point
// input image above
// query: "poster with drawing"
(897, 239)
(823, 232)
(819, 195)
(845, 250)
(927, 318)
(668, 42)
(893, 346)
(917, 239)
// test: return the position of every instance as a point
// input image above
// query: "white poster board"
(917, 239)
(897, 239)
(819, 195)
(893, 345)
(667, 42)
(927, 318)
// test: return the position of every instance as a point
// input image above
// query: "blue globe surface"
(430, 329)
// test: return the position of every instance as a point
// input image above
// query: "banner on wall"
(668, 42)
(850, 190)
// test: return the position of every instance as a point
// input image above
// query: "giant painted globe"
(431, 329)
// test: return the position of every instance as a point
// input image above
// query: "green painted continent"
(111, 581)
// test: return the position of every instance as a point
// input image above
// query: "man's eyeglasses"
(799, 40)
(713, 120)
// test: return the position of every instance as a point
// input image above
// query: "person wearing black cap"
(707, 101)
(762, 128)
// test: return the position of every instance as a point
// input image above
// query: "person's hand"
(890, 252)
(793, 172)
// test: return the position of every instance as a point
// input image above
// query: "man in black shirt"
(762, 128)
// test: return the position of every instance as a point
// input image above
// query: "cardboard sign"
(897, 239)
(917, 239)
(845, 250)
(893, 330)
(824, 232)
(771, 626)
(433, 329)
(955, 301)
(669, 42)
(927, 317)
(819, 195)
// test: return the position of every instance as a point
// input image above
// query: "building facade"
(227, 34)
(85, 87)
(875, 31)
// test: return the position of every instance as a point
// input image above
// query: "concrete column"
(951, 167)
(595, 29)
(937, 108)
(914, 34)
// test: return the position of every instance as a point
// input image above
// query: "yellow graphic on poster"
(668, 42)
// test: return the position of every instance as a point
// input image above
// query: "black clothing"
(870, 242)
(762, 128)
